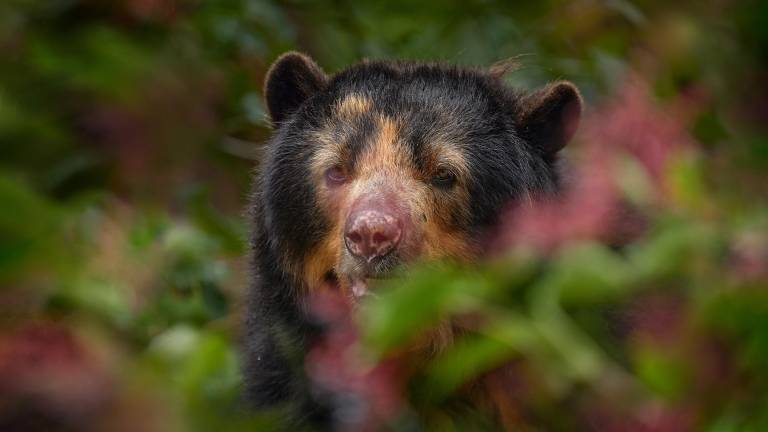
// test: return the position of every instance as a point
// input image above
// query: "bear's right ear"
(290, 81)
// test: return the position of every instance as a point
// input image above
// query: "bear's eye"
(444, 179)
(335, 176)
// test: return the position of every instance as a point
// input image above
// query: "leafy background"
(130, 129)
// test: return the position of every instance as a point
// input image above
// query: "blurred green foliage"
(129, 131)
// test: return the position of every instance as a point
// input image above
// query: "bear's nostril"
(354, 237)
(379, 238)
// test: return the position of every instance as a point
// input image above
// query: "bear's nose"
(372, 233)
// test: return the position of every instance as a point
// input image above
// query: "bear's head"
(385, 163)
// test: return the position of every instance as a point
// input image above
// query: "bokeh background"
(130, 130)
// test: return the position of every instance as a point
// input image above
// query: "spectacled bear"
(378, 165)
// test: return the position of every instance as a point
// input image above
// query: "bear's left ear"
(549, 117)
(290, 81)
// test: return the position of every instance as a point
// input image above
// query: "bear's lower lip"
(365, 286)
(359, 285)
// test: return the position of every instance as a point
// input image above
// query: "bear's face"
(387, 163)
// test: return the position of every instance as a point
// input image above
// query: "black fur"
(289, 82)
(509, 137)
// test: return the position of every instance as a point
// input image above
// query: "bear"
(374, 167)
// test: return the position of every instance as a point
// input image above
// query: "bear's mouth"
(356, 277)
(357, 286)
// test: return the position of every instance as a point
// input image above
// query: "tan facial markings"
(451, 157)
(353, 105)
(386, 155)
(442, 239)
(385, 165)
